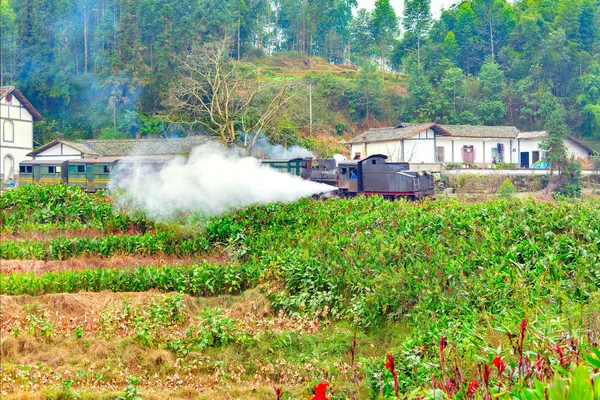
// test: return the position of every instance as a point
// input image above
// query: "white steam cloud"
(266, 149)
(212, 180)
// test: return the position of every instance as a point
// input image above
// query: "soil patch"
(92, 262)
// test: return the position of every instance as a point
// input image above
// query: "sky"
(436, 6)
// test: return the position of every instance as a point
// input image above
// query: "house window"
(357, 155)
(535, 156)
(9, 132)
(439, 151)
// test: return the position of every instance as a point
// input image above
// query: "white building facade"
(16, 130)
(481, 145)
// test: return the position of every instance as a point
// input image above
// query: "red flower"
(499, 363)
(320, 390)
(523, 326)
(560, 352)
(473, 386)
(390, 365)
(278, 392)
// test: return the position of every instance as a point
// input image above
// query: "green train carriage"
(91, 174)
(42, 171)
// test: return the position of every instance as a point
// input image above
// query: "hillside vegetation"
(106, 69)
(495, 298)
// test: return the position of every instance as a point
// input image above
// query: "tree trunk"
(85, 40)
(492, 38)
(238, 35)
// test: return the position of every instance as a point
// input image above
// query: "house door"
(524, 159)
(535, 157)
(468, 154)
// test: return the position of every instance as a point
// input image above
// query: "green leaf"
(581, 388)
(558, 388)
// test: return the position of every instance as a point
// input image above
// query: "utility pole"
(310, 105)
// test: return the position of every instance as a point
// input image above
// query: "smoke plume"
(264, 148)
(211, 180)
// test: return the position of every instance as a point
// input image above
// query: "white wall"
(576, 150)
(59, 151)
(14, 117)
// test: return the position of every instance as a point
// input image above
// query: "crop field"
(380, 299)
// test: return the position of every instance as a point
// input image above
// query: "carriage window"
(29, 169)
(81, 168)
(373, 162)
(343, 171)
(107, 169)
(352, 173)
(57, 169)
(51, 170)
(21, 169)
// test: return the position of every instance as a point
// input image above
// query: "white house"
(431, 143)
(63, 150)
(16, 130)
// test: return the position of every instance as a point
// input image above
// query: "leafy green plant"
(506, 189)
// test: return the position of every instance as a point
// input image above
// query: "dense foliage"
(481, 62)
(493, 298)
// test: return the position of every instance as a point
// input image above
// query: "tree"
(565, 173)
(366, 99)
(8, 44)
(491, 107)
(235, 106)
(384, 27)
(417, 20)
(361, 34)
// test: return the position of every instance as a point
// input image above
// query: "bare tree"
(234, 105)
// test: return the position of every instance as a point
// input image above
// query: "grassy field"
(436, 299)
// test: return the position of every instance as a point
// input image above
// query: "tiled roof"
(532, 135)
(479, 131)
(4, 90)
(403, 131)
(131, 147)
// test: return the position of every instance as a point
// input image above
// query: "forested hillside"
(104, 68)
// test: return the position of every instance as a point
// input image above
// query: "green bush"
(506, 189)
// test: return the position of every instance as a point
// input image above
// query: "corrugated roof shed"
(130, 147)
(5, 90)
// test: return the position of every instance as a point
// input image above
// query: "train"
(371, 175)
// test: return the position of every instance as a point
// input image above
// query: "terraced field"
(427, 300)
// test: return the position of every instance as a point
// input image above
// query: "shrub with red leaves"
(320, 390)
(278, 392)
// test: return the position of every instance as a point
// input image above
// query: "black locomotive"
(371, 175)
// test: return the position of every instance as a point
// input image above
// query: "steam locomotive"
(371, 175)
